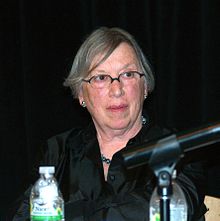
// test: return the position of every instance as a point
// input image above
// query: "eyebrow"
(124, 67)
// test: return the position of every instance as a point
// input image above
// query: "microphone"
(173, 146)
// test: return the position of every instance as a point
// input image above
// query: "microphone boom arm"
(185, 142)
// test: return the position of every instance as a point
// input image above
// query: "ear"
(80, 96)
(145, 90)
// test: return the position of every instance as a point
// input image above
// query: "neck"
(110, 143)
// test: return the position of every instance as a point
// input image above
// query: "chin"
(119, 125)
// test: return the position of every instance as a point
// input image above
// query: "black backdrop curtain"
(39, 40)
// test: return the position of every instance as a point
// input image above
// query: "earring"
(83, 104)
(145, 96)
(143, 119)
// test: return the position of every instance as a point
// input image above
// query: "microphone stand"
(169, 150)
(163, 155)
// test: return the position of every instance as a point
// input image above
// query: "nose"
(116, 88)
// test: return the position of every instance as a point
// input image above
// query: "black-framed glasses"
(104, 80)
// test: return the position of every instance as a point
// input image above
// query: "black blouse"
(126, 193)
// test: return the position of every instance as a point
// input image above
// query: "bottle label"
(154, 215)
(46, 212)
(176, 213)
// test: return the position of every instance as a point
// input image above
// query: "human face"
(117, 107)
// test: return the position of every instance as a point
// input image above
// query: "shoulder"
(59, 142)
(152, 132)
(62, 138)
(57, 146)
(72, 139)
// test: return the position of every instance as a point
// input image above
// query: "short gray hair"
(104, 41)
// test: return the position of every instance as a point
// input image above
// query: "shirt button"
(112, 177)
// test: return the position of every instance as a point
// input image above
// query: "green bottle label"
(46, 212)
(156, 217)
(47, 218)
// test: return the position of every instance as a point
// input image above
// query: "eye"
(128, 74)
(101, 77)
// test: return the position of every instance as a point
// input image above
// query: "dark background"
(39, 39)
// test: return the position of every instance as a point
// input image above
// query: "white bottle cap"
(46, 169)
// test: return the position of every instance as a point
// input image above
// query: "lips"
(116, 108)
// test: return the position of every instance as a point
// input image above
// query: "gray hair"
(104, 41)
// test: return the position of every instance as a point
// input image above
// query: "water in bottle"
(46, 202)
(178, 205)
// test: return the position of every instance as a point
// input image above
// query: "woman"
(112, 85)
(111, 78)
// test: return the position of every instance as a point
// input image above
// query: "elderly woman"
(111, 78)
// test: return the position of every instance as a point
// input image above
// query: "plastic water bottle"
(46, 202)
(178, 204)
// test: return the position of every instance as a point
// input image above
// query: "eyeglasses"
(104, 80)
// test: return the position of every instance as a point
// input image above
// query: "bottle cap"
(46, 169)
